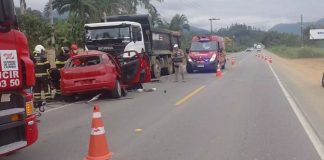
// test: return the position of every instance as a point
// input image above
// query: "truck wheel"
(323, 80)
(117, 92)
(170, 66)
(157, 69)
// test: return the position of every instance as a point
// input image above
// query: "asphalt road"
(242, 116)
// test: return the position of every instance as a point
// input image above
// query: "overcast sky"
(259, 13)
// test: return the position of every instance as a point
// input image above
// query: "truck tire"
(157, 69)
(117, 92)
(323, 81)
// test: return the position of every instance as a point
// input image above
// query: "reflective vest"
(61, 60)
(41, 65)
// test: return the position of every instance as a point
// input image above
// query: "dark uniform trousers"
(42, 81)
(55, 75)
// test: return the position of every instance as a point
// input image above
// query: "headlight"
(29, 108)
(213, 58)
(189, 59)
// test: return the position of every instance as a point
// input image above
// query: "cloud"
(34, 4)
(259, 13)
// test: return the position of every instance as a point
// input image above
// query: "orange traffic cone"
(219, 71)
(98, 147)
(270, 59)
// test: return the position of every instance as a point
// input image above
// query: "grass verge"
(293, 53)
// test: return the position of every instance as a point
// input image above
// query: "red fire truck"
(206, 52)
(18, 122)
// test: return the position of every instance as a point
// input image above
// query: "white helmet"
(39, 49)
(176, 46)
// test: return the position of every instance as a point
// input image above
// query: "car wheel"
(124, 92)
(157, 69)
(323, 80)
(117, 92)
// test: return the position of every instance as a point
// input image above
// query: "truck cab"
(154, 44)
(205, 53)
(124, 41)
(18, 122)
(115, 37)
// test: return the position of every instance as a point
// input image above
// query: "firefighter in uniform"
(74, 50)
(41, 72)
(178, 58)
(55, 73)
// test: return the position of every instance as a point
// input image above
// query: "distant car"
(259, 48)
(90, 72)
(249, 50)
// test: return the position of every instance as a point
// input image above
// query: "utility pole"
(301, 32)
(51, 16)
(211, 23)
(22, 7)
(233, 47)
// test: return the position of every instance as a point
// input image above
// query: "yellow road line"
(184, 99)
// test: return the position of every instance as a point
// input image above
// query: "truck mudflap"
(136, 69)
(31, 129)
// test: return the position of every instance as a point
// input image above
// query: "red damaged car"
(89, 72)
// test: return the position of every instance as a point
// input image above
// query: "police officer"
(41, 72)
(55, 73)
(178, 58)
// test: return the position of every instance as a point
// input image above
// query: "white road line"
(67, 105)
(302, 119)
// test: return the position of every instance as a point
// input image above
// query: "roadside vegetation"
(74, 14)
(298, 52)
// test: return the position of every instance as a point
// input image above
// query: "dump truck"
(117, 35)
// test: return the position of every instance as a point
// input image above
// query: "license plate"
(200, 65)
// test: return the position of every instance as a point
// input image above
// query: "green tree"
(80, 11)
(131, 5)
(155, 17)
(179, 23)
(37, 30)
